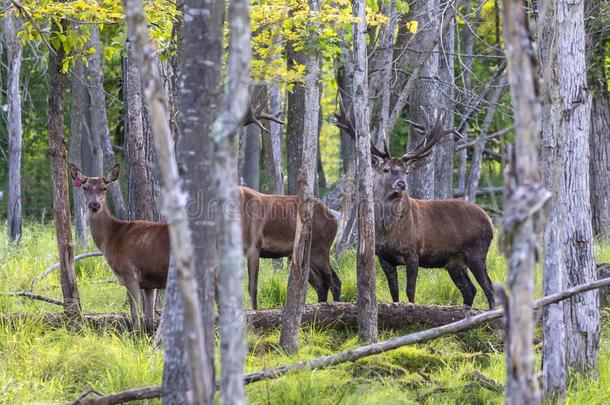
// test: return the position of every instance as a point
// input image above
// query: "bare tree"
(230, 252)
(367, 299)
(139, 197)
(59, 162)
(569, 235)
(524, 198)
(79, 130)
(174, 202)
(14, 47)
(99, 122)
(299, 267)
(295, 126)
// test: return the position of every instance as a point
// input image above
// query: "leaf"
(412, 26)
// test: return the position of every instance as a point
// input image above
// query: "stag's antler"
(433, 133)
(256, 113)
(344, 120)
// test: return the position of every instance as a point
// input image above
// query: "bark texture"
(59, 178)
(230, 252)
(272, 146)
(367, 299)
(251, 157)
(200, 98)
(295, 125)
(174, 207)
(79, 130)
(99, 122)
(139, 197)
(13, 47)
(299, 267)
(524, 198)
(427, 94)
(599, 138)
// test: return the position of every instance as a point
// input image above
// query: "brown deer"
(136, 251)
(430, 234)
(269, 223)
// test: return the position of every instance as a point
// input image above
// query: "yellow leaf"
(412, 26)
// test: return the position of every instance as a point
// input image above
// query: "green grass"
(39, 365)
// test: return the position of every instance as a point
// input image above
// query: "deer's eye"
(85, 188)
(386, 170)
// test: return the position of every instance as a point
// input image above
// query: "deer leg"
(479, 270)
(253, 262)
(319, 282)
(149, 309)
(392, 276)
(335, 283)
(459, 276)
(134, 303)
(412, 266)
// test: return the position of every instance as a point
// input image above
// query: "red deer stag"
(269, 223)
(430, 234)
(136, 251)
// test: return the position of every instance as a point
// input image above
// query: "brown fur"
(136, 251)
(416, 233)
(269, 223)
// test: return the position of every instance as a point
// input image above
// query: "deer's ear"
(112, 175)
(77, 175)
(375, 161)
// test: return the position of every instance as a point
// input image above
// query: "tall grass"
(38, 365)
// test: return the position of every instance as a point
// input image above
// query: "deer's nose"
(94, 206)
(400, 185)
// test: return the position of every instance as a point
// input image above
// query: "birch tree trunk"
(599, 138)
(524, 198)
(79, 130)
(554, 371)
(299, 267)
(174, 202)
(59, 178)
(99, 121)
(367, 299)
(225, 132)
(14, 47)
(139, 198)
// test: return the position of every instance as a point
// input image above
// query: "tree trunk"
(174, 202)
(252, 155)
(14, 47)
(299, 267)
(272, 146)
(139, 198)
(295, 126)
(78, 131)
(230, 251)
(200, 97)
(367, 299)
(523, 194)
(562, 40)
(59, 179)
(99, 122)
(599, 138)
(427, 93)
(554, 371)
(443, 156)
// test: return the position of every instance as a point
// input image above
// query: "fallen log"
(335, 315)
(381, 347)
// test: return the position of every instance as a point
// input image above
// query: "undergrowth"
(40, 365)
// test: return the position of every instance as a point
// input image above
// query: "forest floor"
(38, 365)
